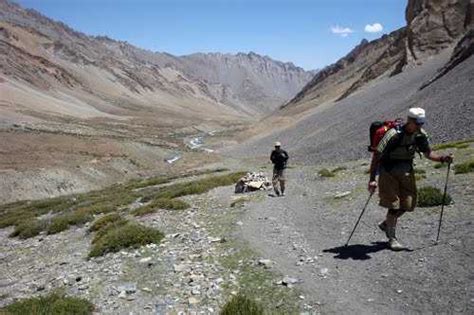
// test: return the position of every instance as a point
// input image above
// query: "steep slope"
(432, 26)
(251, 82)
(48, 55)
(429, 63)
(339, 132)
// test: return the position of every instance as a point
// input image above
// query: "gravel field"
(304, 234)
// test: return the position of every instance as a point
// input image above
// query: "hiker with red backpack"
(394, 150)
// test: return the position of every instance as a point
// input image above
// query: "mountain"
(104, 77)
(428, 63)
(78, 112)
(431, 28)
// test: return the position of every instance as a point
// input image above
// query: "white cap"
(418, 114)
(277, 144)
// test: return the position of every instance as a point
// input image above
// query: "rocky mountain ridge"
(432, 26)
(49, 55)
(428, 63)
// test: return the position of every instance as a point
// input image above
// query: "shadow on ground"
(357, 252)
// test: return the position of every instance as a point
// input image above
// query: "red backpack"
(378, 129)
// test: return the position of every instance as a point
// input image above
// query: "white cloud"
(342, 31)
(374, 28)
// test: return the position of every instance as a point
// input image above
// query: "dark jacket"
(279, 158)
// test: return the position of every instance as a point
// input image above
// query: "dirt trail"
(304, 233)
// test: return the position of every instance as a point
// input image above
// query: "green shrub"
(52, 304)
(105, 229)
(199, 186)
(419, 171)
(241, 305)
(326, 173)
(124, 236)
(455, 144)
(28, 229)
(440, 165)
(465, 167)
(104, 221)
(62, 222)
(431, 196)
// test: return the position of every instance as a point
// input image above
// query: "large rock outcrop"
(433, 25)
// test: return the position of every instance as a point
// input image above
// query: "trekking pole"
(360, 217)
(444, 201)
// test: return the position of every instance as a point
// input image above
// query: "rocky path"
(286, 252)
(305, 231)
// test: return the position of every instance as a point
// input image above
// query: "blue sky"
(309, 33)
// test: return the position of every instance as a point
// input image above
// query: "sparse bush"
(199, 186)
(104, 229)
(326, 173)
(58, 225)
(52, 304)
(465, 167)
(455, 144)
(241, 305)
(28, 229)
(104, 221)
(431, 196)
(440, 165)
(62, 222)
(124, 236)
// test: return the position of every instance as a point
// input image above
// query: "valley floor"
(212, 251)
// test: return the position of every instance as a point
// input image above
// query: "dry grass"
(431, 196)
(81, 208)
(242, 305)
(463, 168)
(455, 144)
(128, 235)
(52, 304)
(165, 198)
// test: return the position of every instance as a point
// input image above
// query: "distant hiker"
(393, 158)
(279, 158)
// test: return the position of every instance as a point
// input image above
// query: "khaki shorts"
(397, 190)
(278, 174)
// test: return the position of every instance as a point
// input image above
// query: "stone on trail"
(128, 288)
(145, 260)
(342, 194)
(267, 263)
(288, 281)
(179, 268)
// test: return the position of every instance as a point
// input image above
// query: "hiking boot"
(283, 194)
(277, 193)
(383, 227)
(395, 245)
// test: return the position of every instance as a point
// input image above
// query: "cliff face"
(432, 26)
